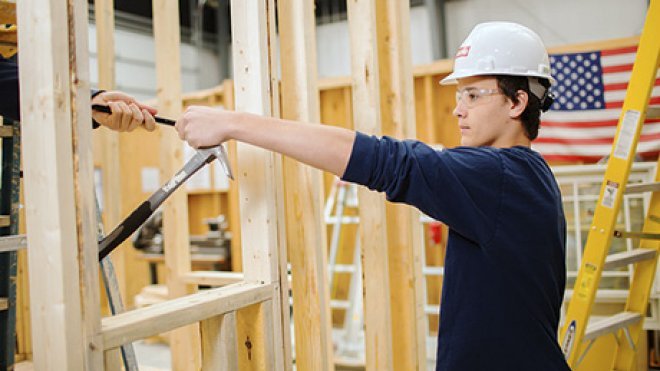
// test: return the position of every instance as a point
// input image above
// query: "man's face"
(482, 111)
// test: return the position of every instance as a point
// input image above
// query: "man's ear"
(517, 108)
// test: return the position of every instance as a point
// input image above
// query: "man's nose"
(459, 110)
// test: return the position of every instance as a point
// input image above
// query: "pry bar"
(144, 211)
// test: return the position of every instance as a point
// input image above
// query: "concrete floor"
(153, 356)
(150, 356)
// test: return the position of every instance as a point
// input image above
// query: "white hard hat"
(501, 48)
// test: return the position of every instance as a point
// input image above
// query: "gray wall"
(558, 22)
(135, 64)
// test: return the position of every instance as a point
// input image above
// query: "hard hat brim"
(453, 77)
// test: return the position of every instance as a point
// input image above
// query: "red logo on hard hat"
(463, 51)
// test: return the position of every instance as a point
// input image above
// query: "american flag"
(581, 124)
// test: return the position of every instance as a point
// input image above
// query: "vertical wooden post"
(108, 140)
(184, 342)
(58, 176)
(373, 236)
(233, 207)
(108, 143)
(260, 180)
(219, 352)
(403, 231)
(306, 230)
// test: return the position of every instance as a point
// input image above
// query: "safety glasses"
(471, 97)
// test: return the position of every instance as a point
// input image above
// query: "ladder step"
(628, 257)
(642, 187)
(640, 235)
(433, 271)
(611, 324)
(653, 113)
(343, 268)
(13, 243)
(4, 220)
(431, 309)
(342, 220)
(4, 304)
(339, 304)
(6, 131)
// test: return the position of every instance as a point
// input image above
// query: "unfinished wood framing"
(260, 181)
(233, 205)
(58, 174)
(107, 143)
(184, 342)
(306, 230)
(172, 314)
(373, 224)
(404, 233)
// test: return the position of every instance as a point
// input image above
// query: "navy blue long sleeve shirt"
(505, 269)
(9, 102)
(9, 91)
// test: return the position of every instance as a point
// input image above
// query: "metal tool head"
(220, 153)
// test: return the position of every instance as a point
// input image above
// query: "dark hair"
(531, 116)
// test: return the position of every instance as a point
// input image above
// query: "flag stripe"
(594, 150)
(605, 140)
(550, 133)
(619, 95)
(591, 124)
(619, 104)
(627, 49)
(618, 68)
(624, 85)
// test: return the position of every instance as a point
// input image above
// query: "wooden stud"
(373, 237)
(212, 278)
(404, 239)
(58, 172)
(172, 314)
(219, 352)
(260, 181)
(184, 342)
(306, 231)
(233, 207)
(107, 141)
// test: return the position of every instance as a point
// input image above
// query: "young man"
(504, 270)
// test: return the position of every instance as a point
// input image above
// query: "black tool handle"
(106, 109)
(125, 229)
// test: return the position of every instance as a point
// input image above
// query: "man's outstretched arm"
(324, 147)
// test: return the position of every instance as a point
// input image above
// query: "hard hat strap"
(541, 92)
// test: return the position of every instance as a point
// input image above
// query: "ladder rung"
(4, 220)
(342, 220)
(433, 271)
(431, 309)
(653, 113)
(343, 268)
(339, 304)
(6, 131)
(642, 187)
(640, 235)
(4, 304)
(611, 324)
(13, 243)
(628, 257)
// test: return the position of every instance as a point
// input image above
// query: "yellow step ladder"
(578, 334)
